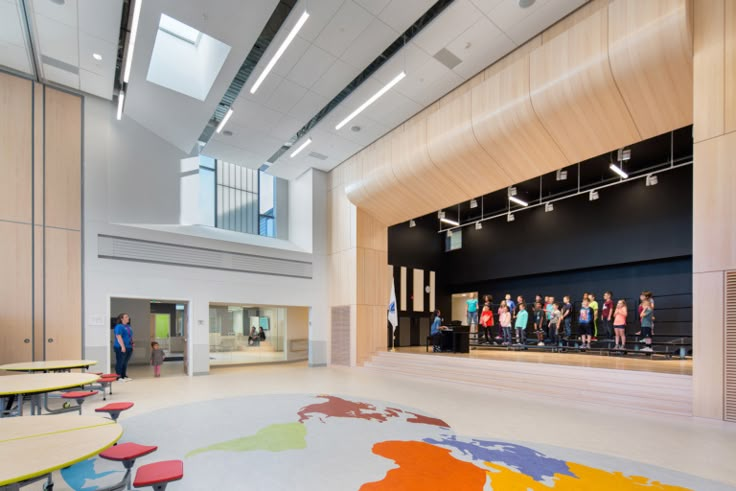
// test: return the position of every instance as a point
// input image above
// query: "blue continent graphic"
(526, 460)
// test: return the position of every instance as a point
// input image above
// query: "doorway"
(459, 304)
(165, 322)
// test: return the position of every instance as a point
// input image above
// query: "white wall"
(132, 176)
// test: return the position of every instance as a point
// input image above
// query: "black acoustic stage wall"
(632, 238)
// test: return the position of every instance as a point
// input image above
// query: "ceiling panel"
(373, 6)
(480, 45)
(96, 84)
(101, 19)
(286, 128)
(321, 13)
(13, 52)
(15, 57)
(347, 24)
(57, 40)
(312, 64)
(374, 39)
(400, 14)
(232, 154)
(59, 76)
(308, 106)
(64, 12)
(544, 15)
(442, 30)
(248, 114)
(285, 96)
(291, 56)
(89, 45)
(335, 79)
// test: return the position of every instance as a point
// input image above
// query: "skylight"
(179, 29)
(185, 59)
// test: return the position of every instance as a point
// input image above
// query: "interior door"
(15, 293)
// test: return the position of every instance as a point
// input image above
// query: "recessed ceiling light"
(227, 133)
(97, 56)
(526, 3)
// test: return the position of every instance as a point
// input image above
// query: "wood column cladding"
(612, 73)
(40, 222)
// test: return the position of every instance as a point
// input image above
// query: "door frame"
(188, 347)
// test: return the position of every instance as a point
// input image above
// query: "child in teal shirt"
(521, 320)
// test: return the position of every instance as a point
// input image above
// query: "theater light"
(510, 217)
(412, 223)
(478, 226)
(549, 207)
(652, 180)
(593, 195)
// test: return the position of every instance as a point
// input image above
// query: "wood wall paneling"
(418, 290)
(15, 292)
(708, 344)
(15, 148)
(402, 288)
(574, 94)
(63, 159)
(708, 66)
(38, 142)
(714, 204)
(63, 294)
(508, 128)
(655, 34)
(452, 146)
(38, 292)
(730, 67)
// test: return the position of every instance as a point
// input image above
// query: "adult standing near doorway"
(123, 345)
(471, 312)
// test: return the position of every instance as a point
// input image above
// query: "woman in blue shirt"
(123, 345)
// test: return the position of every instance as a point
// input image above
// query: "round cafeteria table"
(42, 383)
(48, 365)
(32, 448)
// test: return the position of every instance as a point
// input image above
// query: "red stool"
(125, 453)
(159, 474)
(114, 409)
(79, 396)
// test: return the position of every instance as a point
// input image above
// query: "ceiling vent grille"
(318, 155)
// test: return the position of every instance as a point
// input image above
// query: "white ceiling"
(65, 36)
(338, 41)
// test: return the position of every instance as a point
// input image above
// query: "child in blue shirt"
(585, 323)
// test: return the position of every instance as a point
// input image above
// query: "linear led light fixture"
(450, 222)
(279, 52)
(301, 147)
(121, 101)
(224, 120)
(618, 170)
(518, 201)
(131, 41)
(371, 100)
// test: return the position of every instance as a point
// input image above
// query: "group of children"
(552, 321)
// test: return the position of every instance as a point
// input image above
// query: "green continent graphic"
(273, 438)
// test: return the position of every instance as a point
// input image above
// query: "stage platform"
(631, 383)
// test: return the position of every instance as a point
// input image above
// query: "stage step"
(637, 390)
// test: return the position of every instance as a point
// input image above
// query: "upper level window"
(245, 200)
(454, 241)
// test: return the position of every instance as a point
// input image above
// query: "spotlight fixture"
(623, 154)
(512, 191)
(224, 120)
(593, 195)
(518, 201)
(473, 203)
(652, 180)
(285, 44)
(440, 215)
(510, 217)
(561, 175)
(301, 147)
(450, 222)
(449, 234)
(618, 170)
(478, 226)
(412, 223)
(549, 207)
(371, 100)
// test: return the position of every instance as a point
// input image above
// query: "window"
(245, 199)
(207, 190)
(454, 241)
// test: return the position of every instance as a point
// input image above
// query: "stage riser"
(621, 388)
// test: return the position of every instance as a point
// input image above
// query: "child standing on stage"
(157, 358)
(607, 314)
(646, 324)
(554, 323)
(594, 305)
(486, 323)
(521, 320)
(504, 319)
(567, 317)
(539, 317)
(549, 307)
(619, 324)
(585, 323)
(501, 306)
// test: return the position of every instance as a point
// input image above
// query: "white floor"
(700, 447)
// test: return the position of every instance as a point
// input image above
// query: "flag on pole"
(393, 315)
